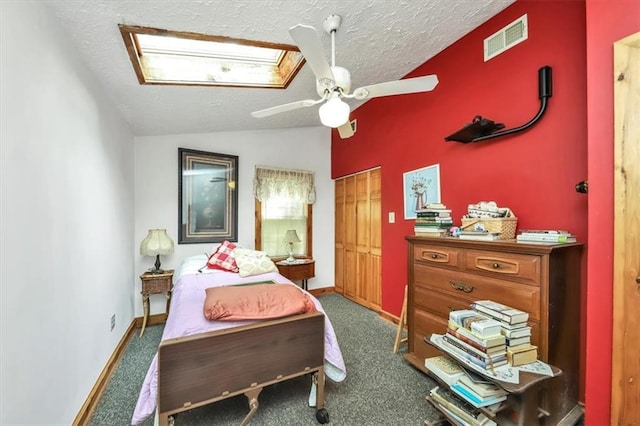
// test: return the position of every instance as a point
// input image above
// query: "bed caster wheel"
(322, 416)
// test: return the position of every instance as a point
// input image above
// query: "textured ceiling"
(380, 40)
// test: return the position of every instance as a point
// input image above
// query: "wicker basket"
(506, 226)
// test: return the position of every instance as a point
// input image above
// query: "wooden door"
(625, 373)
(339, 238)
(374, 288)
(350, 271)
(362, 237)
(358, 238)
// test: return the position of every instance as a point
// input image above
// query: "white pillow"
(253, 262)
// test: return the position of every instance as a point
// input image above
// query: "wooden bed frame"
(208, 367)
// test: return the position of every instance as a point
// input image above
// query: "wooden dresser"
(448, 274)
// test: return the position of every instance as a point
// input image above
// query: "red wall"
(607, 22)
(533, 173)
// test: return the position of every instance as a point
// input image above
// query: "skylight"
(181, 58)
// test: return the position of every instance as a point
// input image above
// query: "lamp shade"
(334, 112)
(291, 236)
(156, 242)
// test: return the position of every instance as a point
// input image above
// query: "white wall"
(66, 222)
(157, 190)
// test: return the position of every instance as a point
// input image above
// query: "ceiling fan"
(333, 83)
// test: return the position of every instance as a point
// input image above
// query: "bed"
(200, 361)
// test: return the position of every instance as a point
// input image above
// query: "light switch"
(392, 217)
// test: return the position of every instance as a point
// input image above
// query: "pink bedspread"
(186, 318)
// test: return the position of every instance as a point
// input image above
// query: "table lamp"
(291, 237)
(156, 242)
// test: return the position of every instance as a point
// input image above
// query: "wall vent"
(514, 33)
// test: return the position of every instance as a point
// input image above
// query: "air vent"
(514, 33)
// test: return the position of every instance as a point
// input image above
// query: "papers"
(537, 367)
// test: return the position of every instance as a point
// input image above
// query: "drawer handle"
(457, 285)
(434, 256)
(496, 265)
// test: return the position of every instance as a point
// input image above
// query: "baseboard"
(389, 317)
(320, 291)
(91, 402)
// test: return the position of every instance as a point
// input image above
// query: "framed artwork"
(420, 187)
(207, 197)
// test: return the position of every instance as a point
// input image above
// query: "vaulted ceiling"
(380, 40)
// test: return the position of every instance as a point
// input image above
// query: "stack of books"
(458, 408)
(479, 235)
(434, 220)
(477, 338)
(514, 328)
(478, 391)
(545, 236)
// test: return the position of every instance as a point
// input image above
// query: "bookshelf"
(522, 406)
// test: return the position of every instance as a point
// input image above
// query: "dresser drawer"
(511, 266)
(438, 303)
(467, 288)
(424, 325)
(436, 255)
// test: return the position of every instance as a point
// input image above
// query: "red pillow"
(260, 301)
(223, 258)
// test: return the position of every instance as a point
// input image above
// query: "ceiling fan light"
(334, 113)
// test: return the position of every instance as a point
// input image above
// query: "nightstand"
(155, 284)
(301, 269)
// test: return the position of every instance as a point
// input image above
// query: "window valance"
(296, 185)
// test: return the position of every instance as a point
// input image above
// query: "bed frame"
(205, 368)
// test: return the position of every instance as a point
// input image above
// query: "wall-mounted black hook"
(544, 92)
(582, 187)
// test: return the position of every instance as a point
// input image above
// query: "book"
(480, 344)
(482, 356)
(444, 368)
(479, 236)
(522, 355)
(487, 342)
(479, 324)
(501, 312)
(486, 365)
(460, 407)
(516, 332)
(545, 231)
(514, 326)
(517, 341)
(474, 399)
(546, 238)
(482, 388)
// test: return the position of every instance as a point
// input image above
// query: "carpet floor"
(380, 388)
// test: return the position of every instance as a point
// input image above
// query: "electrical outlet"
(113, 321)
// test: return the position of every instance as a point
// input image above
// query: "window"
(184, 58)
(283, 202)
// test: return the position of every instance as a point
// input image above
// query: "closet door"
(340, 236)
(362, 237)
(373, 293)
(350, 271)
(358, 238)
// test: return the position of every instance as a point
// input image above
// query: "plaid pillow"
(223, 258)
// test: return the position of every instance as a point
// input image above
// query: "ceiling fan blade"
(285, 107)
(309, 43)
(346, 131)
(398, 87)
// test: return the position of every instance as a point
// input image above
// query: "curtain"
(296, 185)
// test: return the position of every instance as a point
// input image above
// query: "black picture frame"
(207, 197)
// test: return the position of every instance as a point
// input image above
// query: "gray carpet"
(380, 388)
